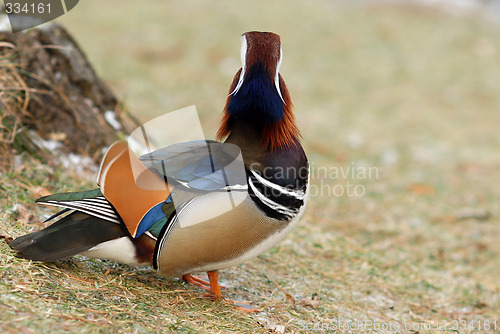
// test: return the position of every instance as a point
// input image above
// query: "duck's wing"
(199, 165)
(140, 188)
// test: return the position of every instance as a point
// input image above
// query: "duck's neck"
(249, 139)
(257, 101)
(258, 115)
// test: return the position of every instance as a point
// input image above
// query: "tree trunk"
(47, 85)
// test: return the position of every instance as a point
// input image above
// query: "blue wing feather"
(157, 215)
(200, 165)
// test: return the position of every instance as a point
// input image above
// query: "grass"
(410, 92)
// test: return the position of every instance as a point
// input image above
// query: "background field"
(408, 92)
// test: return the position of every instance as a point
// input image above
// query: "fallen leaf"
(7, 238)
(25, 215)
(40, 191)
(312, 301)
(271, 326)
(447, 219)
(422, 189)
(58, 136)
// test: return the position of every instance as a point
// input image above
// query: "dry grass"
(14, 100)
(412, 93)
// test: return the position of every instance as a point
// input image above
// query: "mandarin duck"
(129, 221)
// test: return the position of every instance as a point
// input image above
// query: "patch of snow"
(389, 157)
(429, 153)
(77, 162)
(109, 115)
(18, 161)
(49, 144)
(414, 222)
(355, 140)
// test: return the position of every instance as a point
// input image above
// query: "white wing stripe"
(94, 213)
(107, 210)
(96, 200)
(95, 204)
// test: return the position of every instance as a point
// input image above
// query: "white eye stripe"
(243, 51)
(244, 47)
(277, 76)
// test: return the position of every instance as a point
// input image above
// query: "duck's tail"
(76, 233)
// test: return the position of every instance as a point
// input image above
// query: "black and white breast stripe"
(98, 207)
(167, 228)
(276, 201)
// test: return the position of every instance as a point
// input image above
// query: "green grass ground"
(412, 94)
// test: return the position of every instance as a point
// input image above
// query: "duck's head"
(258, 96)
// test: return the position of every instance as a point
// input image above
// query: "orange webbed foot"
(199, 282)
(202, 284)
(213, 288)
(215, 294)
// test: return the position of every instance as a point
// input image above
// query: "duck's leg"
(215, 293)
(205, 285)
(213, 288)
(201, 283)
(213, 277)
